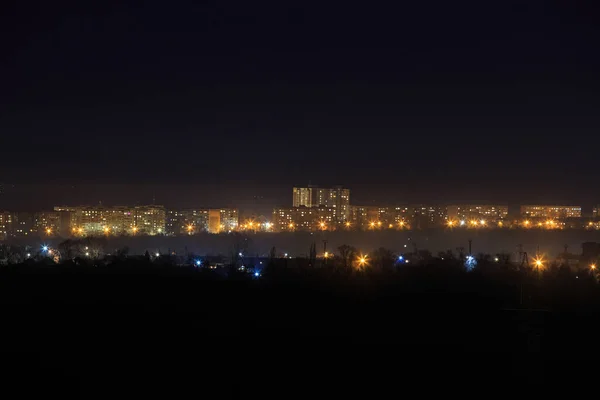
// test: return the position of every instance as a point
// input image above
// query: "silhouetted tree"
(382, 258)
(67, 249)
(347, 254)
(312, 256)
(122, 252)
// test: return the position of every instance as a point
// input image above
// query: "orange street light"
(362, 260)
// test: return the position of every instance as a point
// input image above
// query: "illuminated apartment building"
(466, 212)
(336, 198)
(552, 211)
(150, 220)
(303, 219)
(6, 225)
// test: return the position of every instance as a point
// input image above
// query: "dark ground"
(73, 335)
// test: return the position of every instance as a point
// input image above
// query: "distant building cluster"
(151, 220)
(313, 209)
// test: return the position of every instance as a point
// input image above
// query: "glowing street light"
(190, 228)
(322, 225)
(538, 262)
(593, 266)
(347, 224)
(134, 229)
(462, 223)
(326, 255)
(526, 222)
(401, 223)
(482, 222)
(48, 231)
(106, 229)
(291, 226)
(268, 225)
(450, 223)
(372, 224)
(362, 260)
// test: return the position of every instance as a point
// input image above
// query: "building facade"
(192, 221)
(337, 198)
(229, 219)
(466, 212)
(6, 225)
(309, 219)
(551, 211)
(150, 220)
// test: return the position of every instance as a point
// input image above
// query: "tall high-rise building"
(302, 196)
(337, 198)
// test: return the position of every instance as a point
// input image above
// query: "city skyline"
(313, 208)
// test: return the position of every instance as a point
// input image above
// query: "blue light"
(470, 263)
(257, 274)
(198, 262)
(401, 258)
(44, 248)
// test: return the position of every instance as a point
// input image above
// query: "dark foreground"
(172, 335)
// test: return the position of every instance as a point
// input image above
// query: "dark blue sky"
(436, 101)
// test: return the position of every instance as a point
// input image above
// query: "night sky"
(234, 102)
